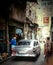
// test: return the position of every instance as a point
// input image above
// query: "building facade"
(41, 14)
(44, 14)
(32, 19)
(11, 26)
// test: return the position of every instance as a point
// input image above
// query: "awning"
(31, 24)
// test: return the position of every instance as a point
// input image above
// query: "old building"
(12, 21)
(12, 18)
(32, 19)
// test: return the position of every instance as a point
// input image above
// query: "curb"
(5, 59)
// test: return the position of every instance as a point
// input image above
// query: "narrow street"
(26, 61)
(25, 19)
(19, 61)
(22, 61)
(30, 61)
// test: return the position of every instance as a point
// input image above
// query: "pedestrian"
(47, 47)
(12, 43)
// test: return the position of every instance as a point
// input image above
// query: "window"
(35, 43)
(19, 31)
(29, 12)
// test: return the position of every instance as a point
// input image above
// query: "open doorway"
(52, 28)
(19, 33)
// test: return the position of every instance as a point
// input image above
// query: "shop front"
(32, 31)
(15, 28)
(3, 45)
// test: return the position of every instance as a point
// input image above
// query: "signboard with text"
(46, 20)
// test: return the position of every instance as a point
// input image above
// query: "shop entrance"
(19, 33)
(52, 28)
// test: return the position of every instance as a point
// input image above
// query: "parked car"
(26, 48)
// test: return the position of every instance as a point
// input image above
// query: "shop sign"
(46, 20)
(18, 31)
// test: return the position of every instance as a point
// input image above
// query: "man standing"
(47, 47)
(12, 43)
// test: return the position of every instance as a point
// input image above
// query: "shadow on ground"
(25, 58)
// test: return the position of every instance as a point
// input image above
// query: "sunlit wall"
(41, 14)
(44, 14)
